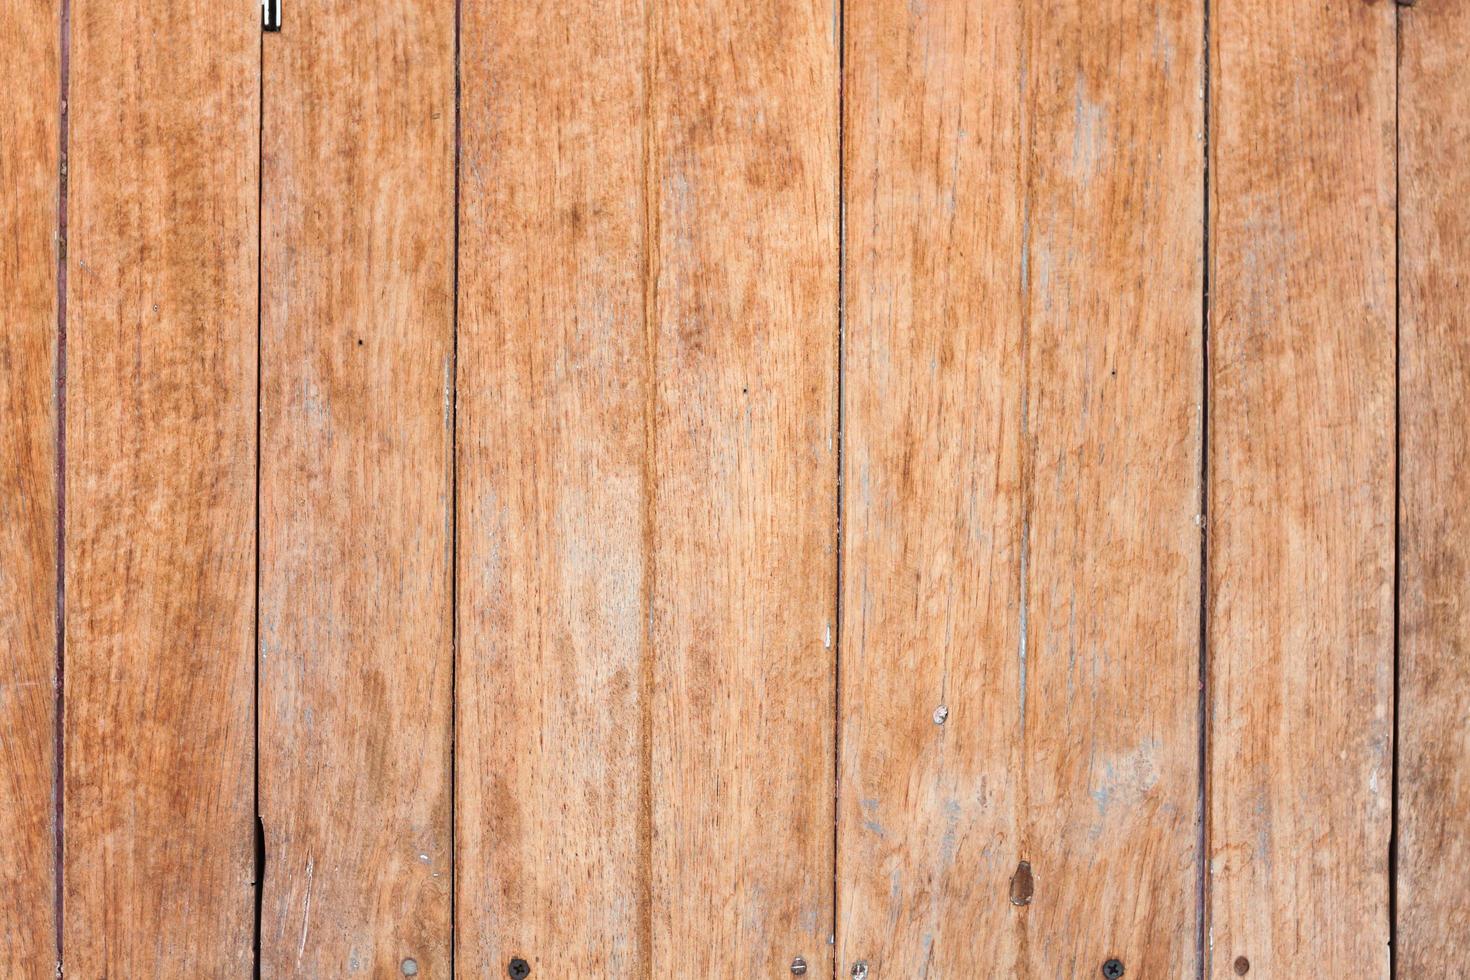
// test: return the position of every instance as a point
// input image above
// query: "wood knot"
(1021, 884)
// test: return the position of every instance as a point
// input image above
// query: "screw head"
(860, 970)
(1242, 966)
(941, 714)
(1113, 969)
(410, 967)
(518, 969)
(798, 967)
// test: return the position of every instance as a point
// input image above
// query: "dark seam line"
(259, 828)
(454, 528)
(840, 570)
(58, 789)
(1393, 833)
(1202, 891)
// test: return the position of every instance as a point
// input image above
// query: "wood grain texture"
(160, 477)
(30, 72)
(552, 792)
(356, 520)
(1434, 518)
(1022, 470)
(1301, 486)
(743, 336)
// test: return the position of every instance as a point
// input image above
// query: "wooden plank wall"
(863, 489)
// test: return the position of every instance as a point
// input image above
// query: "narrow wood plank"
(1434, 372)
(1022, 453)
(1301, 486)
(552, 861)
(30, 72)
(160, 477)
(743, 320)
(356, 521)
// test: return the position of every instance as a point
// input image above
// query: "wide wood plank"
(160, 483)
(1022, 450)
(552, 793)
(356, 520)
(30, 74)
(743, 332)
(1434, 403)
(1301, 487)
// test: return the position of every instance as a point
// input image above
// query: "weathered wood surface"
(1433, 927)
(30, 144)
(1301, 487)
(160, 488)
(1022, 451)
(554, 661)
(355, 483)
(544, 605)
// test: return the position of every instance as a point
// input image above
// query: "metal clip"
(270, 15)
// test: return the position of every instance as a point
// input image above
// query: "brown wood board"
(356, 476)
(160, 487)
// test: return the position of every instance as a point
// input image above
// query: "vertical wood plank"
(30, 72)
(356, 521)
(552, 793)
(929, 814)
(743, 322)
(1020, 654)
(1433, 929)
(1111, 444)
(1301, 471)
(160, 476)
